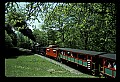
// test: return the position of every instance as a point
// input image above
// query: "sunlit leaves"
(89, 20)
(78, 25)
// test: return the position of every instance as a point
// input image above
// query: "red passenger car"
(109, 65)
(84, 58)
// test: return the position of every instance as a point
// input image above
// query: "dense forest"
(87, 26)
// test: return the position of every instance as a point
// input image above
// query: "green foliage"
(89, 26)
(83, 25)
(8, 40)
(41, 37)
(16, 17)
(24, 41)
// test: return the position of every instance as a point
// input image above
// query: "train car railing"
(80, 62)
(110, 71)
(69, 58)
(85, 63)
(76, 60)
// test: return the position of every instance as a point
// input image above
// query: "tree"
(89, 26)
(84, 25)
(41, 37)
(8, 40)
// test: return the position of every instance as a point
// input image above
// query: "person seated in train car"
(104, 63)
(62, 52)
(109, 65)
(114, 65)
(71, 55)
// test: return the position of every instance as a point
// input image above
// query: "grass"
(34, 66)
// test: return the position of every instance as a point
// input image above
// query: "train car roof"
(67, 49)
(61, 48)
(109, 55)
(83, 51)
(43, 47)
(52, 46)
(56, 48)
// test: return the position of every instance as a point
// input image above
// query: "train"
(101, 64)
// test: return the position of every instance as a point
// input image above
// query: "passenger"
(109, 65)
(71, 55)
(114, 65)
(104, 63)
(62, 52)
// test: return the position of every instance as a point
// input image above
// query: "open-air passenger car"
(108, 67)
(87, 59)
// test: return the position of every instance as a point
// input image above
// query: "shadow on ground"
(15, 52)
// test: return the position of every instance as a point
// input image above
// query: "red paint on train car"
(51, 52)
